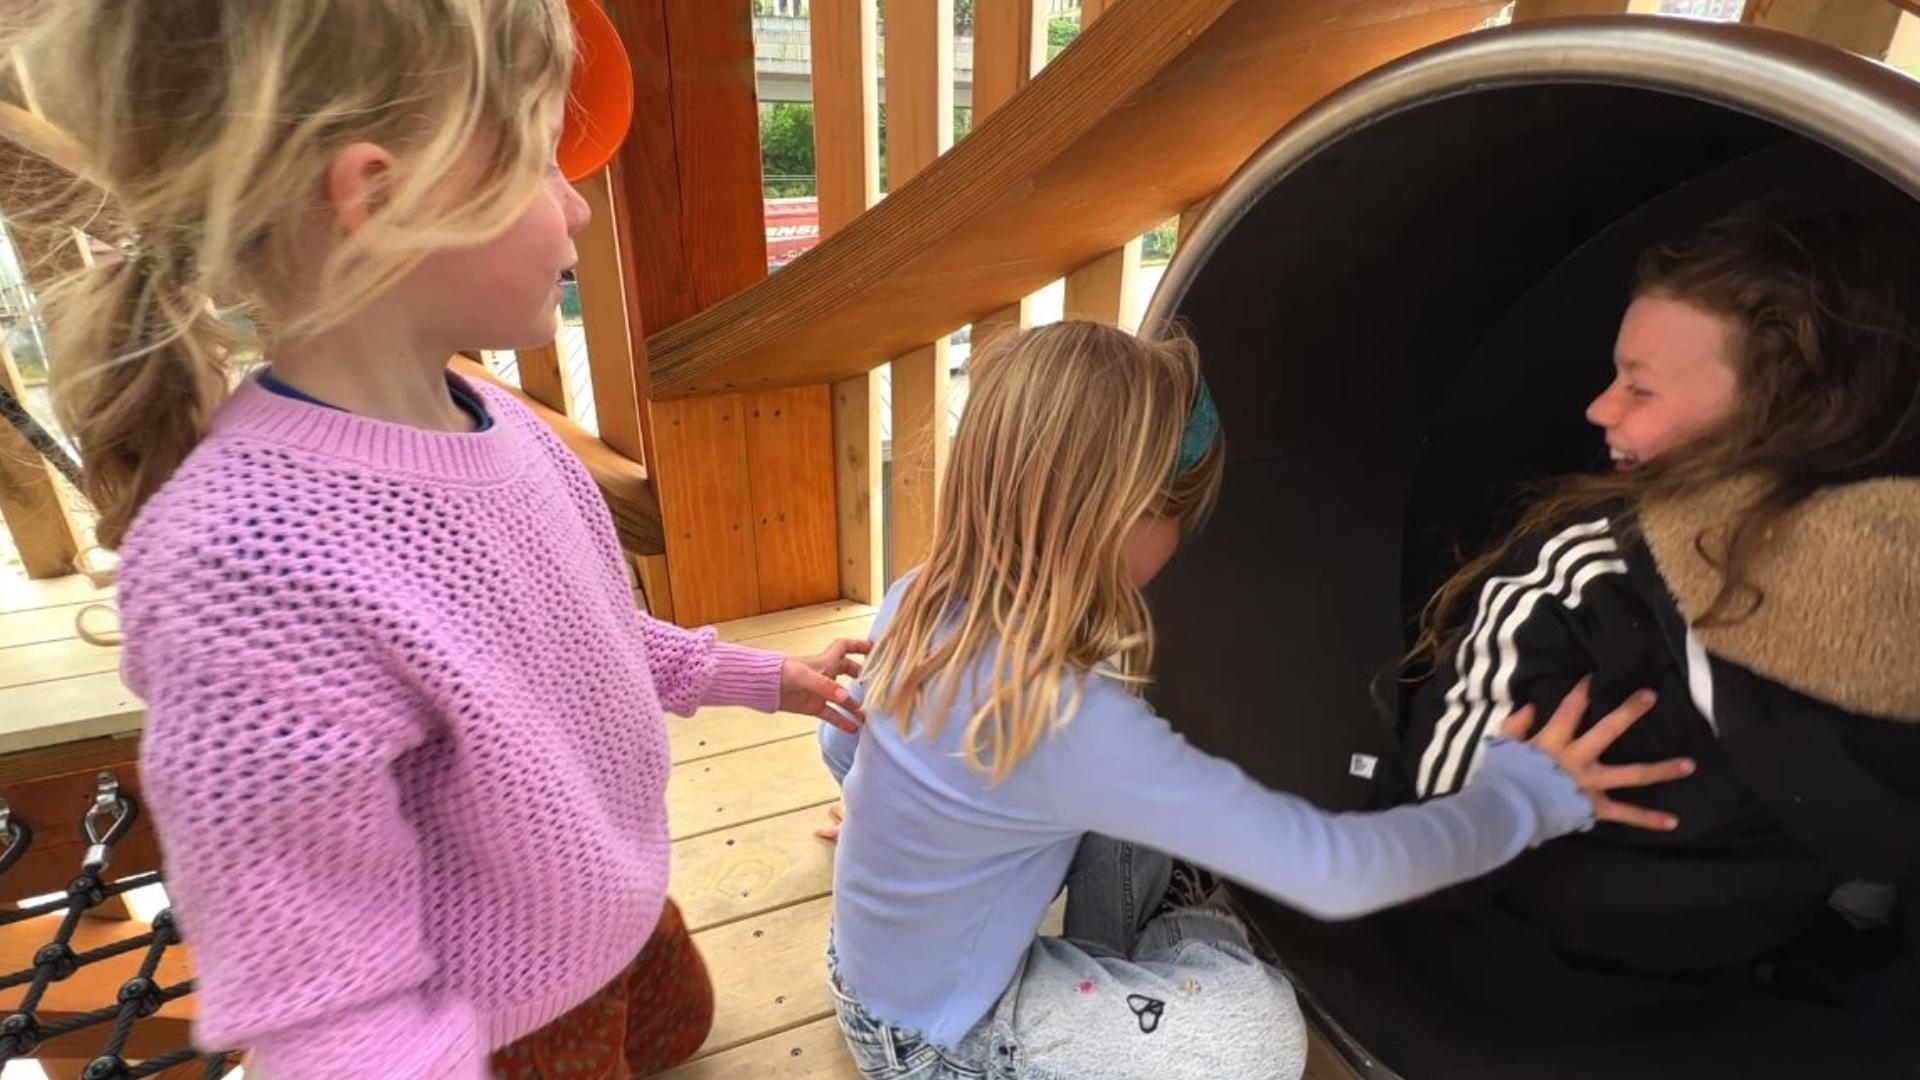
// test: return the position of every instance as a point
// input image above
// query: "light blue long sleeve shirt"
(941, 880)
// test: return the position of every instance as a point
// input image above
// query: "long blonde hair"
(1070, 436)
(210, 125)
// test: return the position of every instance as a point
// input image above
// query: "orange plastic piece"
(600, 102)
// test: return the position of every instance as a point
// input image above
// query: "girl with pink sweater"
(404, 744)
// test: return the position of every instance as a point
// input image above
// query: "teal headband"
(1203, 427)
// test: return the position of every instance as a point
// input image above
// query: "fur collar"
(1840, 620)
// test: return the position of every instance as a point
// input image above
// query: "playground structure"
(738, 414)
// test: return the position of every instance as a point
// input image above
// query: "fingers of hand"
(1519, 724)
(1637, 817)
(1614, 724)
(1613, 777)
(1567, 716)
(843, 717)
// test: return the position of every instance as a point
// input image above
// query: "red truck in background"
(793, 227)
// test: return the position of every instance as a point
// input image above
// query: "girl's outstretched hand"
(1579, 755)
(808, 686)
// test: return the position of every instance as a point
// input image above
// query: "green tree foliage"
(786, 148)
(1060, 33)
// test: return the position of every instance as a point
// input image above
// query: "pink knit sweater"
(404, 741)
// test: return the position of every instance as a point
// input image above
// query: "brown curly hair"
(1827, 360)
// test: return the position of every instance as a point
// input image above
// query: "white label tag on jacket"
(1362, 766)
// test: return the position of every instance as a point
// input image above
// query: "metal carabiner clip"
(107, 802)
(17, 833)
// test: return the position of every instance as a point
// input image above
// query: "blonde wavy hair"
(1070, 436)
(210, 125)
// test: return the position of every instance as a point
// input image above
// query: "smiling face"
(1674, 379)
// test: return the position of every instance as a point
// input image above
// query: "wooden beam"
(919, 130)
(1005, 212)
(846, 140)
(1866, 27)
(610, 315)
(1108, 288)
(622, 480)
(30, 501)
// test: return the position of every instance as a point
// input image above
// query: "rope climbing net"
(105, 823)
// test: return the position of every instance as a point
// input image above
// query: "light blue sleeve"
(836, 746)
(1124, 772)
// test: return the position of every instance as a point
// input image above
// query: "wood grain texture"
(746, 786)
(769, 973)
(744, 871)
(542, 379)
(846, 124)
(921, 388)
(1009, 45)
(36, 514)
(920, 129)
(707, 506)
(1002, 214)
(795, 521)
(814, 1051)
(610, 316)
(1106, 289)
(858, 485)
(846, 160)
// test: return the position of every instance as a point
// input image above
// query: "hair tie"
(1203, 427)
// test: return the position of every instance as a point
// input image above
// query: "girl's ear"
(357, 184)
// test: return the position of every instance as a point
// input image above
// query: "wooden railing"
(739, 416)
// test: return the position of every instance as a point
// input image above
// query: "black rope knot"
(57, 959)
(19, 1035)
(143, 994)
(109, 1067)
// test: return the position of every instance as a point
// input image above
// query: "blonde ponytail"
(141, 411)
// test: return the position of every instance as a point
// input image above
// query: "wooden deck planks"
(736, 873)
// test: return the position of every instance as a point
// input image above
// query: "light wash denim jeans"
(1123, 996)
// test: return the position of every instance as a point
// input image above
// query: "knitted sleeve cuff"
(743, 676)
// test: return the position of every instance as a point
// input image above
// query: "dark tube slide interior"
(1403, 305)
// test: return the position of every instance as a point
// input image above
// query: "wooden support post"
(30, 501)
(1904, 51)
(920, 129)
(1866, 27)
(1108, 288)
(542, 378)
(747, 512)
(1009, 47)
(846, 141)
(652, 571)
(610, 316)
